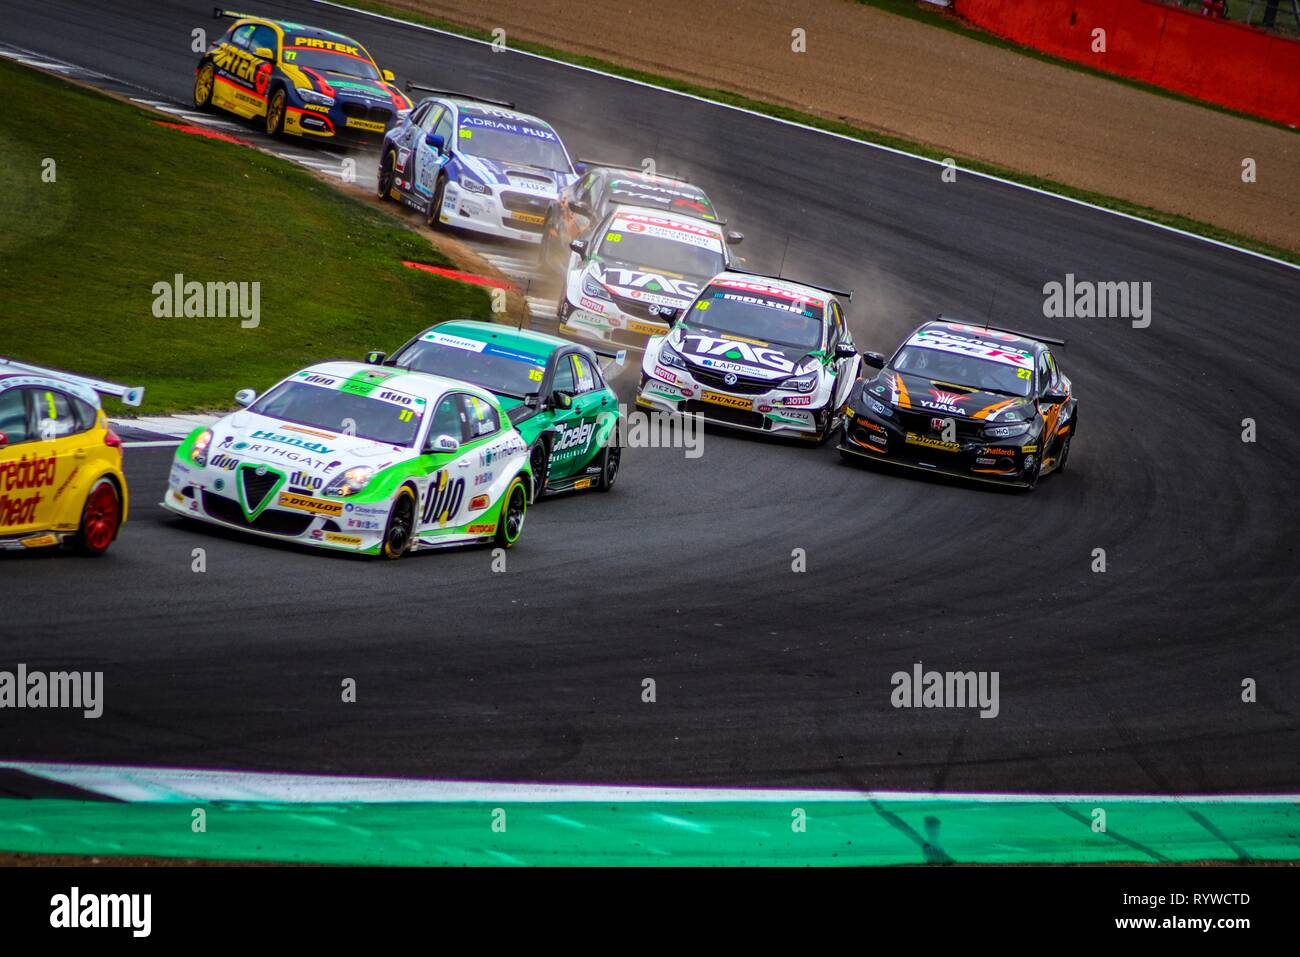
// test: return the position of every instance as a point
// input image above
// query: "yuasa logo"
(75, 910)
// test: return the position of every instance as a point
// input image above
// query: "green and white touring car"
(348, 456)
(553, 390)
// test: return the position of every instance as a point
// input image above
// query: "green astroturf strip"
(651, 833)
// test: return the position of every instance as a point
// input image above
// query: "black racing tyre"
(435, 208)
(510, 525)
(387, 171)
(540, 460)
(204, 83)
(610, 458)
(276, 108)
(400, 531)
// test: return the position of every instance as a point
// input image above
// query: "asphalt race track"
(1127, 681)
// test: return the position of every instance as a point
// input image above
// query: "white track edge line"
(813, 129)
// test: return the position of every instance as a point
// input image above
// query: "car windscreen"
(499, 369)
(325, 407)
(510, 141)
(755, 315)
(331, 61)
(975, 373)
(675, 197)
(667, 255)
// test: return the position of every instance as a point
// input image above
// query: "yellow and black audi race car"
(969, 400)
(300, 80)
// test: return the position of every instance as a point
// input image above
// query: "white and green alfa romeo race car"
(348, 456)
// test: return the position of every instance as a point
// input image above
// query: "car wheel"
(204, 82)
(540, 460)
(275, 110)
(100, 518)
(386, 167)
(1065, 452)
(610, 459)
(435, 208)
(511, 523)
(400, 531)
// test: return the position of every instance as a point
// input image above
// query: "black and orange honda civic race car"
(972, 401)
(299, 80)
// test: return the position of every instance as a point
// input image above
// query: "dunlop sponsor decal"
(304, 503)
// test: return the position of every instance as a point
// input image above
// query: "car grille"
(271, 521)
(257, 487)
(742, 385)
(720, 413)
(919, 422)
(375, 114)
(637, 309)
(525, 203)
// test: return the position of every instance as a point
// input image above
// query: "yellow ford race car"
(61, 475)
(299, 80)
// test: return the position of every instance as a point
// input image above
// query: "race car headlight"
(199, 453)
(1006, 431)
(671, 357)
(801, 383)
(471, 185)
(311, 96)
(351, 482)
(590, 287)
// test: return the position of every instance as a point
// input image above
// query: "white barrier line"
(179, 784)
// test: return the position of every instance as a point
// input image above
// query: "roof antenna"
(780, 273)
(992, 299)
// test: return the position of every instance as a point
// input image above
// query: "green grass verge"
(135, 203)
(937, 17)
(854, 132)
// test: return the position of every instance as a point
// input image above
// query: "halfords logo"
(268, 436)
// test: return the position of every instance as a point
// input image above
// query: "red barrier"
(1215, 60)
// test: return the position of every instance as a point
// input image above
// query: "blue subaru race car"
(475, 163)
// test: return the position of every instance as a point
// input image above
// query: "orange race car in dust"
(298, 80)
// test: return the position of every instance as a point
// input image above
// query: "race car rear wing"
(589, 163)
(1015, 332)
(131, 395)
(842, 293)
(434, 91)
(618, 357)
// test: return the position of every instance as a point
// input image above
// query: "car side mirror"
(264, 53)
(579, 246)
(375, 358)
(582, 209)
(561, 400)
(734, 237)
(1053, 397)
(388, 76)
(873, 359)
(436, 141)
(245, 397)
(845, 350)
(445, 443)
